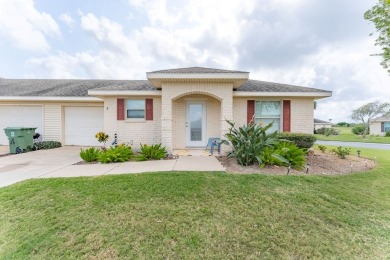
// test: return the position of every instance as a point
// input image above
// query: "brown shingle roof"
(66, 87)
(264, 86)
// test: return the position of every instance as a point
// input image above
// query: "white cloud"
(26, 26)
(67, 19)
(118, 56)
(302, 42)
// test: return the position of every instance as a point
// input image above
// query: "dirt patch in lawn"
(319, 163)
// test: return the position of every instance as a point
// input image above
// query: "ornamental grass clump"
(248, 142)
(90, 154)
(151, 152)
(288, 155)
(120, 153)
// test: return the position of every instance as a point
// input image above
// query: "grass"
(200, 215)
(347, 136)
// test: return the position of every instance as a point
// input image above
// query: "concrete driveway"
(59, 163)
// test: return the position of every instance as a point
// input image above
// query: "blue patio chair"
(214, 142)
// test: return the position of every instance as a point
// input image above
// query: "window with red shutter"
(286, 115)
(149, 109)
(250, 111)
(120, 109)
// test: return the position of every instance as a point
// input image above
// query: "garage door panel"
(20, 116)
(81, 125)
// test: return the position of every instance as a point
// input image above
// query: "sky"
(320, 44)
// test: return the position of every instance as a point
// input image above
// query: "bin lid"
(20, 128)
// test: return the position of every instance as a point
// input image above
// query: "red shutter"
(250, 110)
(382, 127)
(286, 115)
(149, 109)
(120, 109)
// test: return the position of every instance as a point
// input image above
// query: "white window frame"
(134, 118)
(280, 117)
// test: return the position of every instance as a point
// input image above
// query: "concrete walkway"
(59, 163)
(355, 144)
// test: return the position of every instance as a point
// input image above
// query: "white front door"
(196, 124)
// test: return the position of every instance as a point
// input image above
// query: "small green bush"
(387, 134)
(327, 131)
(151, 152)
(288, 154)
(359, 129)
(300, 140)
(121, 153)
(90, 154)
(342, 152)
(45, 145)
(322, 148)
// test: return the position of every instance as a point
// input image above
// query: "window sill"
(135, 120)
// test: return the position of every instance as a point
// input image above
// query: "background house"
(321, 123)
(380, 125)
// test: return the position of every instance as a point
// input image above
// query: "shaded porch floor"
(194, 152)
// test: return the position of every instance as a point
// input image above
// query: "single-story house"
(179, 108)
(380, 125)
(321, 124)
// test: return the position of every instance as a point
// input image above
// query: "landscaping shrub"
(288, 154)
(387, 134)
(322, 148)
(327, 131)
(102, 137)
(342, 152)
(151, 152)
(247, 142)
(359, 129)
(343, 124)
(44, 145)
(90, 154)
(300, 140)
(121, 153)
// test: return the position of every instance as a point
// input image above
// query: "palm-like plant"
(248, 142)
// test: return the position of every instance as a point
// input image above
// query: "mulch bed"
(320, 164)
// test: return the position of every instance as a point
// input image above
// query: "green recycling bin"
(20, 138)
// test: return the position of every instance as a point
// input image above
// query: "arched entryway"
(195, 118)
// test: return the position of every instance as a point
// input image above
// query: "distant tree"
(343, 124)
(380, 16)
(369, 111)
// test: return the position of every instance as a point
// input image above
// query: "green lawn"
(347, 136)
(200, 215)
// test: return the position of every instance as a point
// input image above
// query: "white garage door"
(81, 125)
(26, 116)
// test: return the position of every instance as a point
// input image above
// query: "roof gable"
(196, 70)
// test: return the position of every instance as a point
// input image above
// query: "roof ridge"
(196, 69)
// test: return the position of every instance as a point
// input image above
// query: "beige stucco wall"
(133, 130)
(375, 128)
(302, 112)
(213, 118)
(53, 116)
